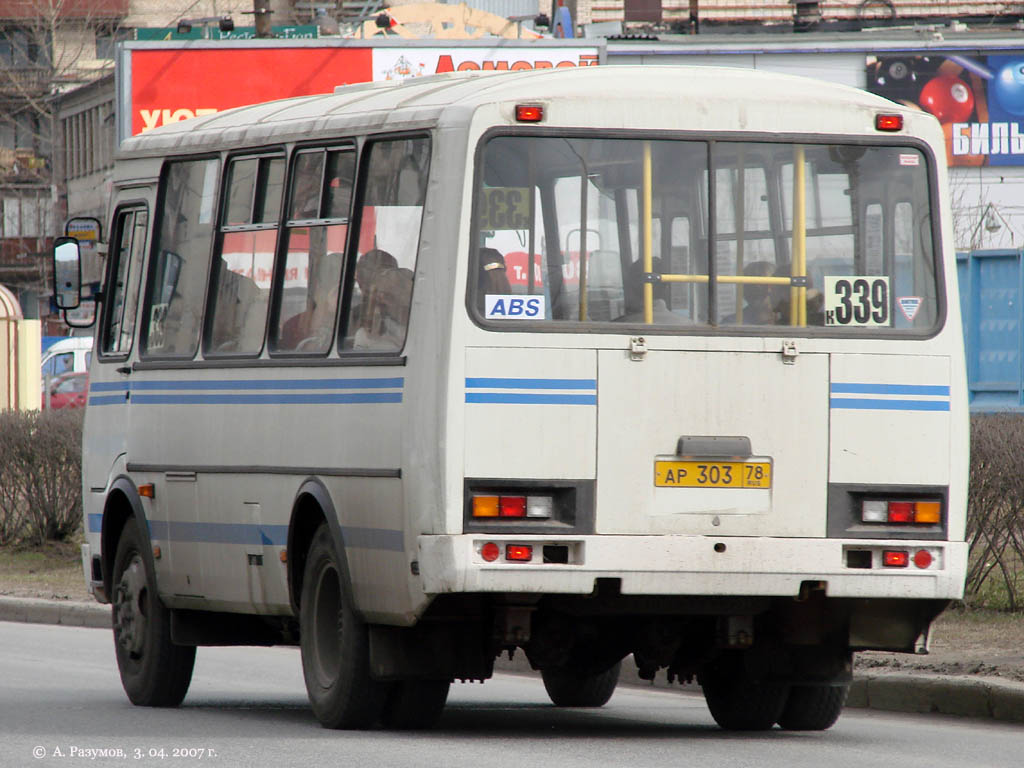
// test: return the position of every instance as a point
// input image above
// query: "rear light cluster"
(491, 506)
(556, 553)
(901, 512)
(922, 558)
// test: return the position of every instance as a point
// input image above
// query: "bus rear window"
(690, 234)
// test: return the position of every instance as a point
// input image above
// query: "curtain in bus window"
(180, 266)
(388, 241)
(310, 279)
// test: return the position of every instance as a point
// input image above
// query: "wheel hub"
(130, 607)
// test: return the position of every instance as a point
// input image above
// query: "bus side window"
(309, 281)
(244, 265)
(394, 189)
(181, 259)
(125, 270)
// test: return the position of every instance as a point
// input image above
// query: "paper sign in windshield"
(857, 301)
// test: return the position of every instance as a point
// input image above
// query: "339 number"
(857, 301)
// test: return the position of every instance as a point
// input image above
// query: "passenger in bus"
(781, 297)
(385, 314)
(368, 266)
(633, 289)
(759, 299)
(492, 279)
(311, 329)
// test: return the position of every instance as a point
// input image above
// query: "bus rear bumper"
(691, 565)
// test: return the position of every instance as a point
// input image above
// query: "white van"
(71, 354)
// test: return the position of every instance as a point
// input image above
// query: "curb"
(963, 696)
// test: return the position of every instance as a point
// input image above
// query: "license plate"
(713, 474)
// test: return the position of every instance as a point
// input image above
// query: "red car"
(69, 390)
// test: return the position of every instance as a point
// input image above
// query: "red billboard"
(172, 84)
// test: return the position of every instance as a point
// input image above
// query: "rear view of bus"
(707, 402)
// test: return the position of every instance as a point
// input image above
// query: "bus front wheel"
(154, 671)
(335, 644)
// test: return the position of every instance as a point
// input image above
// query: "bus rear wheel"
(738, 703)
(569, 688)
(813, 708)
(154, 671)
(415, 704)
(335, 645)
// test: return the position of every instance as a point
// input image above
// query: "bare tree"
(46, 47)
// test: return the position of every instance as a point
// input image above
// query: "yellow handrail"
(648, 238)
(798, 295)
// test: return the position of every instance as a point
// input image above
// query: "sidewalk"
(962, 695)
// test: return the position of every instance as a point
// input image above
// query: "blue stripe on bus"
(267, 535)
(219, 533)
(269, 399)
(249, 384)
(530, 399)
(889, 389)
(108, 399)
(868, 404)
(481, 383)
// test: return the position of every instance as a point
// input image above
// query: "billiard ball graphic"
(1008, 87)
(950, 99)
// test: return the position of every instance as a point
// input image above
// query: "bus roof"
(419, 102)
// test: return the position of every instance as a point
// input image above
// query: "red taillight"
(490, 551)
(901, 511)
(529, 113)
(923, 558)
(520, 552)
(513, 506)
(889, 122)
(895, 558)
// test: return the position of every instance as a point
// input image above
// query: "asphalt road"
(60, 696)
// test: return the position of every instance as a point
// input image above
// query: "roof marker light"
(529, 113)
(889, 123)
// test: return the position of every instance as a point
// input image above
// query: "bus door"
(109, 400)
(726, 432)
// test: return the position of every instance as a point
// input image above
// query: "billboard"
(165, 82)
(978, 99)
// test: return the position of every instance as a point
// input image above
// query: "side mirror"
(67, 273)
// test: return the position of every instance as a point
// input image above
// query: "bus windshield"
(584, 231)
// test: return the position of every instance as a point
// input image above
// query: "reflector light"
(513, 506)
(875, 512)
(922, 558)
(889, 122)
(490, 551)
(147, 490)
(539, 506)
(927, 512)
(521, 552)
(529, 113)
(485, 506)
(895, 558)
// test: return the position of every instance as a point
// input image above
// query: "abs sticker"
(511, 307)
(857, 301)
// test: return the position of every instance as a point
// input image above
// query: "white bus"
(650, 361)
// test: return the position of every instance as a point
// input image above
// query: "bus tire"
(740, 704)
(415, 704)
(154, 671)
(813, 708)
(335, 644)
(568, 688)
